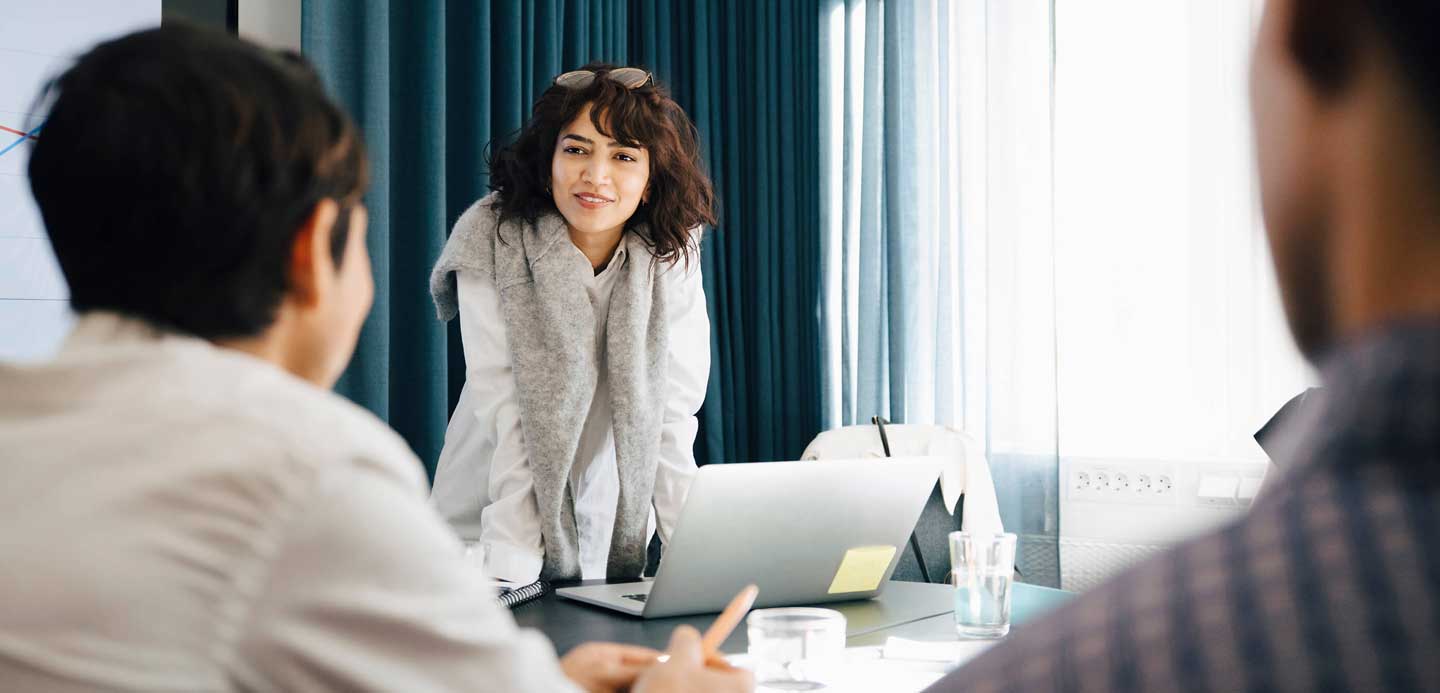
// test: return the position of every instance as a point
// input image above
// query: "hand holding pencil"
(693, 663)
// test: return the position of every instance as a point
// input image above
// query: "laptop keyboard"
(637, 597)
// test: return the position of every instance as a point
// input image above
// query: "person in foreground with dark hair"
(1332, 582)
(183, 504)
(587, 345)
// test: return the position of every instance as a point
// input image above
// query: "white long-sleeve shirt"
(483, 483)
(175, 516)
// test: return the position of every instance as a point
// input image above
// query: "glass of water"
(983, 566)
(795, 649)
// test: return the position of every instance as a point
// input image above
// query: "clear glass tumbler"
(982, 568)
(794, 649)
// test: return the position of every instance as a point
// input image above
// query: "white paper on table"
(950, 652)
(902, 666)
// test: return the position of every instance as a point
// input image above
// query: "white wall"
(275, 23)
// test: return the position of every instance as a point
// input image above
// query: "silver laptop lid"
(805, 532)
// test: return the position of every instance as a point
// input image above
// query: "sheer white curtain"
(1042, 227)
(938, 295)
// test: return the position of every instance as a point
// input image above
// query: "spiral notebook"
(513, 597)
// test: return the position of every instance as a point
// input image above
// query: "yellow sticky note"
(862, 569)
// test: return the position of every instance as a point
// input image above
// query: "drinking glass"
(983, 567)
(792, 649)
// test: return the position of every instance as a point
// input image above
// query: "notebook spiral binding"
(524, 595)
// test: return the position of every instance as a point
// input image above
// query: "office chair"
(964, 498)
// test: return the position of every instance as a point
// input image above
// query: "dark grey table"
(905, 609)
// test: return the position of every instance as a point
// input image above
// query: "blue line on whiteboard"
(22, 138)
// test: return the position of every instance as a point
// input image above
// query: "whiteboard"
(38, 40)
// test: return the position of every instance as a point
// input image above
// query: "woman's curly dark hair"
(681, 196)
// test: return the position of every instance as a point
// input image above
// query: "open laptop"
(805, 532)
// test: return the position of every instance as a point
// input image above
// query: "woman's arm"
(688, 376)
(510, 524)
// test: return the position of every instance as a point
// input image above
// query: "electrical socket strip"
(1115, 512)
(1122, 484)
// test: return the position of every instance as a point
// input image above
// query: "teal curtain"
(432, 82)
(748, 75)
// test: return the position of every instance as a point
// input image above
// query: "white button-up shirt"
(483, 483)
(176, 516)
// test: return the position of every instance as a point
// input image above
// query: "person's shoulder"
(481, 218)
(473, 235)
(682, 272)
(315, 431)
(1174, 594)
(471, 247)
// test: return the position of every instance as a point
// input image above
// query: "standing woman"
(587, 345)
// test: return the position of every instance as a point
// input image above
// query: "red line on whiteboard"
(18, 132)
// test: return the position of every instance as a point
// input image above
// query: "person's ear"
(312, 269)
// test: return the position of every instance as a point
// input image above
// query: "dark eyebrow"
(612, 143)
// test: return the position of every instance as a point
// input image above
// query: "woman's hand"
(604, 667)
(688, 669)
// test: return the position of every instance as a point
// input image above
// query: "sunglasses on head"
(628, 77)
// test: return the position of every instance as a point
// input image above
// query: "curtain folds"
(747, 74)
(937, 298)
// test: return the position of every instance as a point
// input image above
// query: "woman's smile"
(593, 200)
